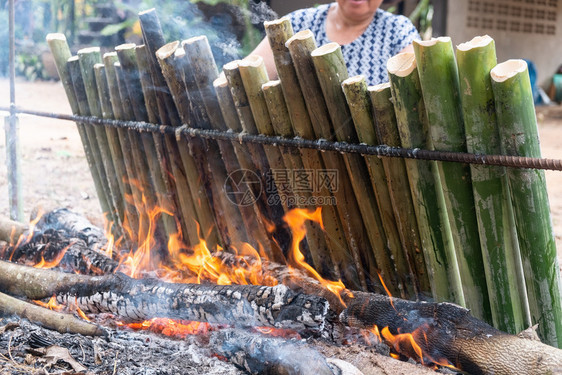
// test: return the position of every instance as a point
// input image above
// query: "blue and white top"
(367, 55)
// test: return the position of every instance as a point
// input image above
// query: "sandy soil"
(55, 172)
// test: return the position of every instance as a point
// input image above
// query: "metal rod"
(321, 145)
(12, 142)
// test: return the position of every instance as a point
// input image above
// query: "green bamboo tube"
(87, 58)
(172, 60)
(61, 53)
(202, 66)
(519, 137)
(273, 207)
(399, 188)
(135, 198)
(186, 173)
(438, 74)
(425, 185)
(300, 47)
(150, 173)
(171, 189)
(113, 142)
(281, 121)
(500, 247)
(82, 100)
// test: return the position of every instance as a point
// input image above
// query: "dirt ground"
(55, 173)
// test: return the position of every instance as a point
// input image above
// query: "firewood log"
(138, 300)
(449, 332)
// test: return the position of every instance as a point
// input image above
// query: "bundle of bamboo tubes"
(478, 236)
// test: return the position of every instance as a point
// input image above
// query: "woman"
(368, 35)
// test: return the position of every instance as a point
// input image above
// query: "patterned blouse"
(367, 55)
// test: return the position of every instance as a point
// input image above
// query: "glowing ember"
(169, 327)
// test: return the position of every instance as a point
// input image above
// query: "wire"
(321, 145)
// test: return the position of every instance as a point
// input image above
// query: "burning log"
(52, 248)
(10, 230)
(446, 333)
(259, 354)
(138, 300)
(48, 318)
(73, 225)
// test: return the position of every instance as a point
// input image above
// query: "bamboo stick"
(399, 188)
(61, 53)
(202, 65)
(192, 115)
(232, 121)
(175, 187)
(425, 186)
(500, 247)
(519, 136)
(114, 146)
(254, 75)
(278, 32)
(186, 172)
(132, 196)
(259, 159)
(281, 121)
(157, 164)
(373, 199)
(143, 148)
(440, 89)
(300, 47)
(335, 231)
(140, 183)
(87, 58)
(82, 100)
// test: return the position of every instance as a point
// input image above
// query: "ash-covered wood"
(49, 244)
(449, 331)
(73, 225)
(260, 354)
(137, 300)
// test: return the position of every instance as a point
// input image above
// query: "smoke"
(232, 31)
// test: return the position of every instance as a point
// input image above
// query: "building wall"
(283, 7)
(526, 29)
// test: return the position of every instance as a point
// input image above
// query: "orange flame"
(170, 327)
(51, 305)
(55, 262)
(296, 219)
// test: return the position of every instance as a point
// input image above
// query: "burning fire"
(242, 264)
